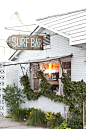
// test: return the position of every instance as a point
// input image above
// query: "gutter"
(40, 60)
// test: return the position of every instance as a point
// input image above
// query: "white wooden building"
(64, 48)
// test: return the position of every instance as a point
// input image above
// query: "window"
(34, 79)
(51, 73)
(66, 67)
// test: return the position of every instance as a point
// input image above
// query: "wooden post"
(84, 114)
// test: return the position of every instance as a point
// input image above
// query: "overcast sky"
(30, 10)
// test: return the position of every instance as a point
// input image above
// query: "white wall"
(46, 105)
(12, 75)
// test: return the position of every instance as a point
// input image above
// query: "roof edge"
(60, 14)
(55, 31)
(40, 60)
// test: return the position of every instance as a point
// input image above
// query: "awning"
(40, 60)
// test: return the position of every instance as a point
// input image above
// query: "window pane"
(51, 73)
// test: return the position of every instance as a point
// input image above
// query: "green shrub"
(30, 94)
(75, 123)
(20, 114)
(74, 95)
(53, 119)
(13, 97)
(63, 125)
(44, 86)
(36, 118)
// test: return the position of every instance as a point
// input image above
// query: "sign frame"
(25, 42)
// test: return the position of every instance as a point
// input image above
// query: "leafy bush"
(74, 95)
(36, 118)
(13, 97)
(44, 86)
(63, 125)
(75, 123)
(20, 114)
(53, 119)
(30, 94)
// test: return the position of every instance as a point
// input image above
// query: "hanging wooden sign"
(25, 42)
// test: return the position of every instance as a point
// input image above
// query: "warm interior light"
(49, 68)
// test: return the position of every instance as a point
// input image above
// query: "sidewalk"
(8, 123)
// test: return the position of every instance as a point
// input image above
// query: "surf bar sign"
(25, 42)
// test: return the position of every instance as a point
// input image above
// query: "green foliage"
(13, 97)
(75, 123)
(36, 118)
(9, 116)
(63, 125)
(53, 119)
(20, 114)
(30, 94)
(44, 86)
(74, 96)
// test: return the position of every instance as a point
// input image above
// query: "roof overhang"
(55, 31)
(41, 60)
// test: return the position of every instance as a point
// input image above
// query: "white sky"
(30, 10)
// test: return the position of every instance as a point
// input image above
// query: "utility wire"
(21, 26)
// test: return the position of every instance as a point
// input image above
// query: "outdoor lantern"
(67, 112)
(66, 108)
